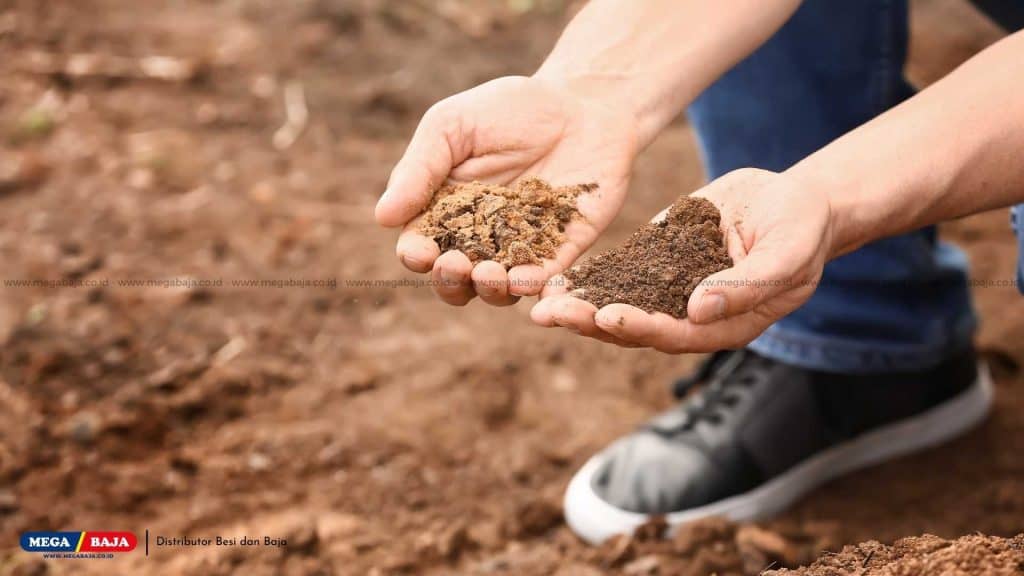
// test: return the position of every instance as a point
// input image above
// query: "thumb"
(759, 277)
(438, 145)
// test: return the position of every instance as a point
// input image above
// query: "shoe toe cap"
(649, 474)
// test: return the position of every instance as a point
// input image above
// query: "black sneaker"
(760, 434)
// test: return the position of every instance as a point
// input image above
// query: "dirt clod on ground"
(974, 555)
(661, 264)
(513, 225)
(710, 546)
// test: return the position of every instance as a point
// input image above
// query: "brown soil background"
(377, 429)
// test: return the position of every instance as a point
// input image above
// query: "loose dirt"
(974, 555)
(661, 264)
(711, 546)
(520, 224)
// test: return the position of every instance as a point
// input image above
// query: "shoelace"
(720, 369)
(707, 367)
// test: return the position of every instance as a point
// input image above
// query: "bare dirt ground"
(374, 428)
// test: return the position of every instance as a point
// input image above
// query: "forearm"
(955, 149)
(653, 57)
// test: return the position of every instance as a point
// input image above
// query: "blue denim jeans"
(901, 303)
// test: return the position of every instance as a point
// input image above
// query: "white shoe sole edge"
(594, 520)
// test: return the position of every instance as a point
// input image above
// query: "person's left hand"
(778, 233)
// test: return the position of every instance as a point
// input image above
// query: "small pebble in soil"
(519, 224)
(660, 265)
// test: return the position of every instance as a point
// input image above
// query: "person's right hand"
(778, 230)
(502, 131)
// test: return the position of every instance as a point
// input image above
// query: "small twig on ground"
(296, 116)
(90, 65)
(867, 559)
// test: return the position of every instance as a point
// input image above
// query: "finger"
(416, 251)
(752, 281)
(527, 279)
(555, 286)
(608, 338)
(438, 144)
(602, 336)
(672, 335)
(490, 281)
(566, 311)
(659, 331)
(575, 315)
(532, 279)
(632, 324)
(543, 314)
(451, 275)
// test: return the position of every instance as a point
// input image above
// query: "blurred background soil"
(375, 428)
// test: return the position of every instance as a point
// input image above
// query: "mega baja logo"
(78, 543)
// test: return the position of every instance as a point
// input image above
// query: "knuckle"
(437, 111)
(443, 116)
(746, 175)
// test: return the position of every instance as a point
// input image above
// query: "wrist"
(609, 91)
(845, 232)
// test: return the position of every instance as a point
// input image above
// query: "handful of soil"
(521, 224)
(660, 265)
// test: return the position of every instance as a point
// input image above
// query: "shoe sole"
(594, 520)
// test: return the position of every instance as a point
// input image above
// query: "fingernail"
(608, 319)
(712, 307)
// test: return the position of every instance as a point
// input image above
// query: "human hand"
(778, 233)
(500, 132)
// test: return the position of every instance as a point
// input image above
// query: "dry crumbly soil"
(972, 555)
(660, 265)
(378, 430)
(519, 224)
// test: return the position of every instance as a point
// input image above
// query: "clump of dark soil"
(519, 224)
(660, 265)
(973, 555)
